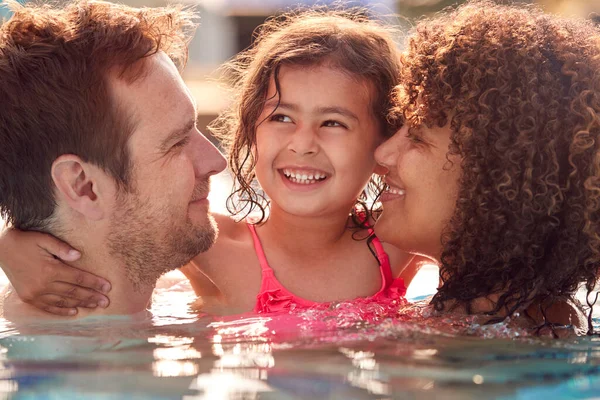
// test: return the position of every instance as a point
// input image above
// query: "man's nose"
(207, 159)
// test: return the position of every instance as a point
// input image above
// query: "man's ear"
(78, 185)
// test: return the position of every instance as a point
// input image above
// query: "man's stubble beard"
(150, 241)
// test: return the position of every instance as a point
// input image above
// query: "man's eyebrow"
(176, 134)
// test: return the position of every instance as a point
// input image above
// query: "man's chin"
(205, 234)
(199, 210)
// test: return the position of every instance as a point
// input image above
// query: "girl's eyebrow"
(273, 103)
(337, 110)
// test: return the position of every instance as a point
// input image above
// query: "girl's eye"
(280, 118)
(332, 124)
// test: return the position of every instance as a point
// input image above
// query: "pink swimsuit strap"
(382, 257)
(273, 296)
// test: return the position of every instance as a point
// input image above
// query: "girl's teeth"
(302, 181)
(303, 178)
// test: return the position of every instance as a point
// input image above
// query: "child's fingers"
(75, 276)
(78, 296)
(58, 248)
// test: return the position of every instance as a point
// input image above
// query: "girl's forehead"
(330, 78)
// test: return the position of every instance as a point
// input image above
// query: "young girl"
(312, 98)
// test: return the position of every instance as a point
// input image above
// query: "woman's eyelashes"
(415, 136)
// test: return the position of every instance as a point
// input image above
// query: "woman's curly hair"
(521, 90)
(347, 39)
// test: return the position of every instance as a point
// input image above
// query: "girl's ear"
(78, 186)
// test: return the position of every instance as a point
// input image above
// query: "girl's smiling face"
(423, 187)
(315, 140)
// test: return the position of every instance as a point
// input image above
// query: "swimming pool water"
(173, 353)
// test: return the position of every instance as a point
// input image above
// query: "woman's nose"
(386, 155)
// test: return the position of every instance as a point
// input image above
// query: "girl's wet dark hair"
(344, 39)
(521, 90)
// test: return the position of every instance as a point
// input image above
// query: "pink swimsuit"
(274, 297)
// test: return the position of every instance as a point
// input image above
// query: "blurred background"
(226, 27)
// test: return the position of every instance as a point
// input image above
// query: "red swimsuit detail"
(274, 297)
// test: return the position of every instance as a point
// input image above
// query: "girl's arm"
(201, 284)
(33, 263)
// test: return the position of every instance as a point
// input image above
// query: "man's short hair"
(54, 97)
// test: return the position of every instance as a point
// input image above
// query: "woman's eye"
(414, 137)
(332, 124)
(280, 118)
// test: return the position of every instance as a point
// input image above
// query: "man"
(99, 143)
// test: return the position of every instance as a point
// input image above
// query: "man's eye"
(280, 118)
(182, 143)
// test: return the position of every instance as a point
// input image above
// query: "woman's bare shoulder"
(563, 312)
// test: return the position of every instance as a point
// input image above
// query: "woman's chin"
(387, 230)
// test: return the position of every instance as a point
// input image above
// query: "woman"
(496, 171)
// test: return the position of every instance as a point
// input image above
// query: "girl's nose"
(303, 141)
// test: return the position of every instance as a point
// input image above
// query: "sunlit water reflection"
(318, 354)
(349, 351)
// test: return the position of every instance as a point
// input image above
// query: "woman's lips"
(392, 193)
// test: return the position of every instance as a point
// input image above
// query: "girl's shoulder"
(403, 264)
(229, 228)
(232, 235)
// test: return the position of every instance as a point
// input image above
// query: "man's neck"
(125, 297)
(89, 238)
